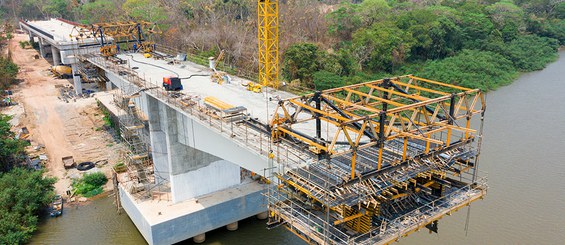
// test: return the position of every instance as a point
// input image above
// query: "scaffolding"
(398, 154)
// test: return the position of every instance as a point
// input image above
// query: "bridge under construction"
(361, 164)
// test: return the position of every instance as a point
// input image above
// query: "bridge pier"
(76, 79)
(56, 54)
(41, 48)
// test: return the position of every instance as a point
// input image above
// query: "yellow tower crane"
(268, 34)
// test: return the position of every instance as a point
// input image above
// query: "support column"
(232, 227)
(263, 215)
(41, 48)
(56, 55)
(76, 79)
(199, 238)
(31, 40)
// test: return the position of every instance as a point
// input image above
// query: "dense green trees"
(473, 43)
(531, 52)
(23, 194)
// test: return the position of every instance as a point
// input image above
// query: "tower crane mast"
(268, 36)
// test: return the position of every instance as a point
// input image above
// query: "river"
(523, 152)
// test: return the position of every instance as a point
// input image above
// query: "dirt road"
(64, 129)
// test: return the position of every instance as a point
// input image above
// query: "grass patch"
(90, 184)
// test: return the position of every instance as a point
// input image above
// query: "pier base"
(263, 215)
(232, 227)
(165, 222)
(199, 238)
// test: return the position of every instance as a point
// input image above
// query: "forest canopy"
(347, 41)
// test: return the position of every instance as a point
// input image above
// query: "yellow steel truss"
(268, 36)
(120, 32)
(406, 107)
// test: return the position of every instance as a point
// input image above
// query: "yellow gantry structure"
(120, 32)
(268, 36)
(369, 114)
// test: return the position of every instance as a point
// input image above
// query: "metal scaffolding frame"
(406, 143)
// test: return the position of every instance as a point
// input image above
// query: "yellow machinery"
(268, 34)
(62, 71)
(217, 76)
(120, 32)
(109, 50)
(254, 87)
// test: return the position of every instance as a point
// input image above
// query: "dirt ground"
(65, 129)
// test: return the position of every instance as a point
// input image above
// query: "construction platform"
(403, 155)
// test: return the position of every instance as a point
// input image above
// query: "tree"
(507, 18)
(344, 21)
(381, 47)
(23, 193)
(300, 62)
(56, 8)
(476, 28)
(147, 10)
(8, 72)
(372, 11)
(99, 11)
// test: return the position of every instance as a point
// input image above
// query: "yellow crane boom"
(268, 35)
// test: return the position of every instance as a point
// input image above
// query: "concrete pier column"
(56, 55)
(41, 48)
(76, 79)
(263, 215)
(232, 227)
(199, 238)
(108, 86)
(31, 41)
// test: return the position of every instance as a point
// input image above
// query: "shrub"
(326, 80)
(473, 69)
(90, 184)
(530, 52)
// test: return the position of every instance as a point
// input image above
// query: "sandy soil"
(65, 129)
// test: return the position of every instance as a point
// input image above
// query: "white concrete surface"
(200, 182)
(58, 33)
(165, 222)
